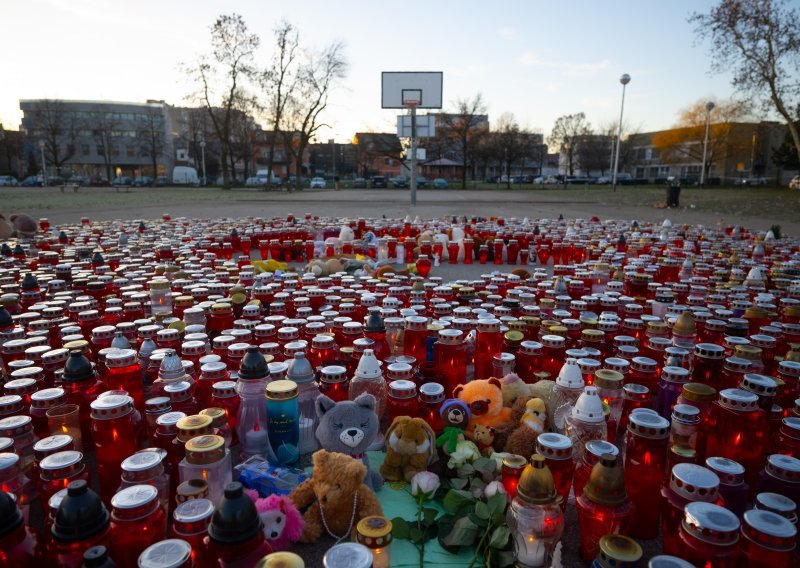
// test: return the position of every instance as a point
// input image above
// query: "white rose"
(425, 483)
(493, 489)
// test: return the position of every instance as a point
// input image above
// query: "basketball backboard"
(402, 89)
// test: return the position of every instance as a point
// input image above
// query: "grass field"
(776, 204)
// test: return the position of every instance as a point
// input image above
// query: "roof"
(443, 162)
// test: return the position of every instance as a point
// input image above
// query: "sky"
(535, 59)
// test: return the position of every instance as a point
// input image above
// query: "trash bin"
(673, 194)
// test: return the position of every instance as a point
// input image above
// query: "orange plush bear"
(485, 401)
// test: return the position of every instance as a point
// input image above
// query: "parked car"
(400, 182)
(55, 180)
(161, 181)
(318, 183)
(122, 180)
(184, 175)
(143, 181)
(422, 182)
(80, 180)
(378, 181)
(255, 181)
(8, 181)
(98, 182)
(359, 183)
(751, 181)
(440, 183)
(794, 183)
(32, 181)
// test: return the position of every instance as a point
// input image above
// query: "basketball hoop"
(411, 98)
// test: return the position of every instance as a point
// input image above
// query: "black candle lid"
(253, 365)
(77, 368)
(81, 515)
(236, 519)
(10, 515)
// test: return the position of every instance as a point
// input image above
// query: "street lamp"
(44, 167)
(625, 79)
(709, 108)
(203, 154)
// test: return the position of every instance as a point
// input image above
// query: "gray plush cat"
(349, 427)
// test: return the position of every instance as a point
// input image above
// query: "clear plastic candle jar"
(209, 460)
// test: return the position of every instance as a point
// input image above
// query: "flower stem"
(480, 544)
(420, 547)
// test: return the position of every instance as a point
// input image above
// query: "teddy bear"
(6, 228)
(335, 499)
(325, 267)
(483, 436)
(25, 226)
(349, 427)
(545, 390)
(283, 524)
(513, 389)
(522, 441)
(410, 448)
(455, 419)
(484, 398)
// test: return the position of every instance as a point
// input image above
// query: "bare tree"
(11, 152)
(221, 75)
(153, 135)
(566, 134)
(242, 133)
(104, 128)
(758, 41)
(278, 81)
(594, 152)
(465, 126)
(316, 77)
(514, 143)
(53, 125)
(195, 128)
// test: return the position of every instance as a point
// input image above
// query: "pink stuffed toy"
(283, 523)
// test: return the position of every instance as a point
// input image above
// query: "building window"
(84, 149)
(115, 151)
(100, 150)
(648, 154)
(130, 151)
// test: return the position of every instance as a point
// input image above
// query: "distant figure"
(673, 191)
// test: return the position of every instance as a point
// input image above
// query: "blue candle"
(283, 420)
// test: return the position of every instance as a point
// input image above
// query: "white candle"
(308, 438)
(255, 442)
(530, 551)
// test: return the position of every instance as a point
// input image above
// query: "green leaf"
(497, 503)
(463, 533)
(482, 510)
(429, 515)
(457, 500)
(400, 528)
(415, 535)
(458, 483)
(484, 465)
(478, 521)
(500, 537)
(465, 471)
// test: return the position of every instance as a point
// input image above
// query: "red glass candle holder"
(510, 472)
(115, 438)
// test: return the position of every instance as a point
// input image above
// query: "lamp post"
(203, 154)
(44, 167)
(709, 108)
(625, 79)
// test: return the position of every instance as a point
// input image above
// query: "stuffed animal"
(335, 499)
(24, 225)
(455, 417)
(322, 268)
(410, 448)
(483, 436)
(485, 400)
(522, 441)
(6, 228)
(346, 234)
(349, 427)
(545, 390)
(514, 388)
(283, 523)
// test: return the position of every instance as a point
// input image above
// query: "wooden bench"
(127, 188)
(73, 186)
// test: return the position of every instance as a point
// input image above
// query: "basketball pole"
(413, 155)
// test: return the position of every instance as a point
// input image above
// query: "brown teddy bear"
(483, 436)
(322, 268)
(410, 448)
(514, 388)
(335, 498)
(522, 441)
(6, 228)
(485, 400)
